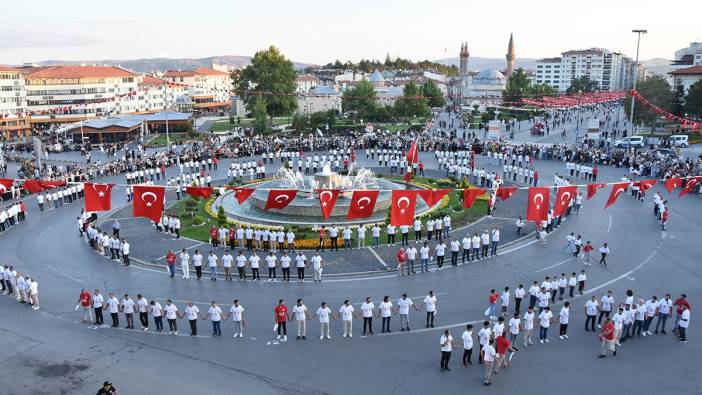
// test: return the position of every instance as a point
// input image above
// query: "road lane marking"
(382, 262)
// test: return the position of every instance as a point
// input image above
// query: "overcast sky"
(317, 31)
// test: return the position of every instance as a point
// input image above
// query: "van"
(679, 140)
(631, 141)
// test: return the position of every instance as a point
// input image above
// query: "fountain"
(304, 209)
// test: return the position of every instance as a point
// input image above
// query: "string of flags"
(149, 200)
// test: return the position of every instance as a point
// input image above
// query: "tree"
(693, 100)
(679, 101)
(658, 92)
(360, 98)
(433, 94)
(260, 115)
(583, 84)
(269, 72)
(517, 87)
(542, 89)
(299, 122)
(412, 103)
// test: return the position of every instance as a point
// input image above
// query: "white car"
(679, 140)
(631, 141)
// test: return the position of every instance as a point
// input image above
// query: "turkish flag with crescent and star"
(98, 197)
(672, 183)
(432, 196)
(148, 201)
(691, 183)
(646, 184)
(205, 192)
(5, 184)
(504, 193)
(327, 200)
(403, 204)
(563, 198)
(362, 204)
(592, 189)
(412, 154)
(617, 190)
(241, 194)
(280, 198)
(539, 199)
(470, 194)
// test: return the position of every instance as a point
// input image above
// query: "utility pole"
(638, 32)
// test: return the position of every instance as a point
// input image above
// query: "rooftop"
(694, 70)
(194, 72)
(77, 72)
(8, 68)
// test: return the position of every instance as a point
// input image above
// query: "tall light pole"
(165, 105)
(638, 32)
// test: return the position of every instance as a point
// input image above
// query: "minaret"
(463, 65)
(511, 56)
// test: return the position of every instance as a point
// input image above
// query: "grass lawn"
(187, 212)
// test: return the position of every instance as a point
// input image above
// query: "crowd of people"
(24, 289)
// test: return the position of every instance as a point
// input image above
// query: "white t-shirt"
(484, 336)
(316, 262)
(323, 314)
(467, 337)
(127, 306)
(171, 311)
(385, 309)
(404, 305)
(367, 309)
(545, 318)
(346, 312)
(299, 312)
(192, 312)
(237, 312)
(215, 313)
(591, 307)
(285, 261)
(227, 260)
(564, 315)
(156, 309)
(528, 320)
(446, 342)
(113, 305)
(270, 260)
(488, 353)
(514, 326)
(430, 303)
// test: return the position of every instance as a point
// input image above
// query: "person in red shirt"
(322, 234)
(502, 345)
(664, 218)
(679, 303)
(595, 170)
(587, 251)
(536, 177)
(607, 338)
(492, 300)
(85, 303)
(281, 318)
(401, 259)
(171, 261)
(232, 237)
(213, 236)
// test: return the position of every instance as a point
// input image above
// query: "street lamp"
(638, 32)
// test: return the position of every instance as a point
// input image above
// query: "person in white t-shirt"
(347, 314)
(270, 263)
(285, 266)
(113, 308)
(385, 313)
(323, 313)
(515, 325)
(127, 307)
(316, 261)
(171, 313)
(156, 311)
(430, 308)
(447, 345)
(215, 313)
(424, 258)
(368, 311)
(185, 263)
(403, 306)
(197, 262)
(301, 317)
(467, 338)
(236, 312)
(227, 260)
(254, 263)
(488, 354)
(545, 318)
(192, 312)
(563, 318)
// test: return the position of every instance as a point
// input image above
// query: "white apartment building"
(610, 69)
(156, 94)
(13, 102)
(548, 71)
(209, 89)
(71, 93)
(306, 82)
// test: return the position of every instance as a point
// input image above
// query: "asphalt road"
(49, 351)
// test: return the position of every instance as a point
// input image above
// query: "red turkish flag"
(241, 194)
(362, 204)
(5, 184)
(504, 193)
(539, 199)
(563, 198)
(327, 200)
(672, 183)
(33, 186)
(279, 198)
(432, 196)
(413, 153)
(617, 189)
(205, 192)
(592, 189)
(148, 201)
(691, 183)
(98, 197)
(470, 194)
(51, 184)
(403, 204)
(645, 185)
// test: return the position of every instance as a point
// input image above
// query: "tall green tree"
(583, 84)
(657, 90)
(542, 89)
(361, 99)
(260, 115)
(517, 87)
(274, 75)
(412, 103)
(433, 94)
(693, 101)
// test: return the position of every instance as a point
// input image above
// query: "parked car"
(664, 152)
(630, 141)
(679, 140)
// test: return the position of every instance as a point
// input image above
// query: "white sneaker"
(541, 341)
(344, 335)
(649, 333)
(285, 338)
(146, 329)
(321, 338)
(566, 336)
(599, 326)
(644, 334)
(560, 337)
(235, 335)
(546, 340)
(175, 333)
(278, 337)
(328, 337)
(241, 335)
(530, 342)
(350, 335)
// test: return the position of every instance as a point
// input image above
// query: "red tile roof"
(77, 72)
(191, 73)
(208, 71)
(8, 68)
(153, 81)
(694, 70)
(307, 77)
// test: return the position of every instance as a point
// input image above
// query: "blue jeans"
(543, 332)
(638, 328)
(425, 265)
(662, 318)
(410, 266)
(446, 231)
(493, 309)
(347, 243)
(171, 269)
(216, 328)
(213, 272)
(376, 241)
(493, 250)
(647, 323)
